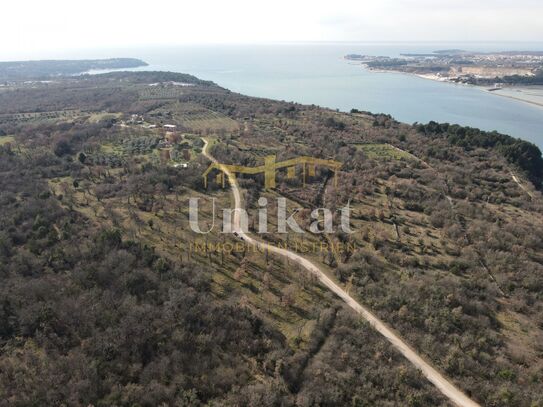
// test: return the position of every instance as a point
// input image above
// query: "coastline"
(517, 93)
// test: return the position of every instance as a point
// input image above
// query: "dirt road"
(443, 384)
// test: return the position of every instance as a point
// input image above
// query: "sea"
(317, 73)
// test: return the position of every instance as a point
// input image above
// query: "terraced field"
(195, 118)
(201, 121)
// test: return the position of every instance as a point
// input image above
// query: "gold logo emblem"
(306, 164)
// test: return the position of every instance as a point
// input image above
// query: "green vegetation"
(6, 140)
(193, 118)
(376, 151)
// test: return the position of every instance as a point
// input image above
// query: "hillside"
(109, 298)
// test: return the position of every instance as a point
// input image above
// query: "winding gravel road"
(443, 384)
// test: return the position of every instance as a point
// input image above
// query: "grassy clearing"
(195, 118)
(384, 151)
(6, 140)
(110, 148)
(202, 121)
(522, 334)
(101, 116)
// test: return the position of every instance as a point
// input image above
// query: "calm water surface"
(317, 74)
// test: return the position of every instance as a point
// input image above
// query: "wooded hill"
(102, 302)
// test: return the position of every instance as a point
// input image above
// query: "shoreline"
(518, 89)
(497, 92)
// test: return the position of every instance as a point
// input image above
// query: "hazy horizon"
(36, 28)
(135, 51)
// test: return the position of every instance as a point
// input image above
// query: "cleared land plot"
(206, 120)
(101, 116)
(195, 118)
(6, 140)
(377, 151)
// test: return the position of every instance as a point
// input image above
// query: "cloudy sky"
(36, 28)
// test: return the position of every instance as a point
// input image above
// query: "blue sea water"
(316, 73)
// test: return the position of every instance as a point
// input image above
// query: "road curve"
(443, 384)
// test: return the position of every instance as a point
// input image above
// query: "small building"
(170, 126)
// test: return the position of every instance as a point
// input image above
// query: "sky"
(33, 29)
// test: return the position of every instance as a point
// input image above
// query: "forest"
(520, 153)
(102, 303)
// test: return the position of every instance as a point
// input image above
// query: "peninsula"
(513, 74)
(48, 69)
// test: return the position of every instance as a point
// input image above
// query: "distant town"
(477, 68)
